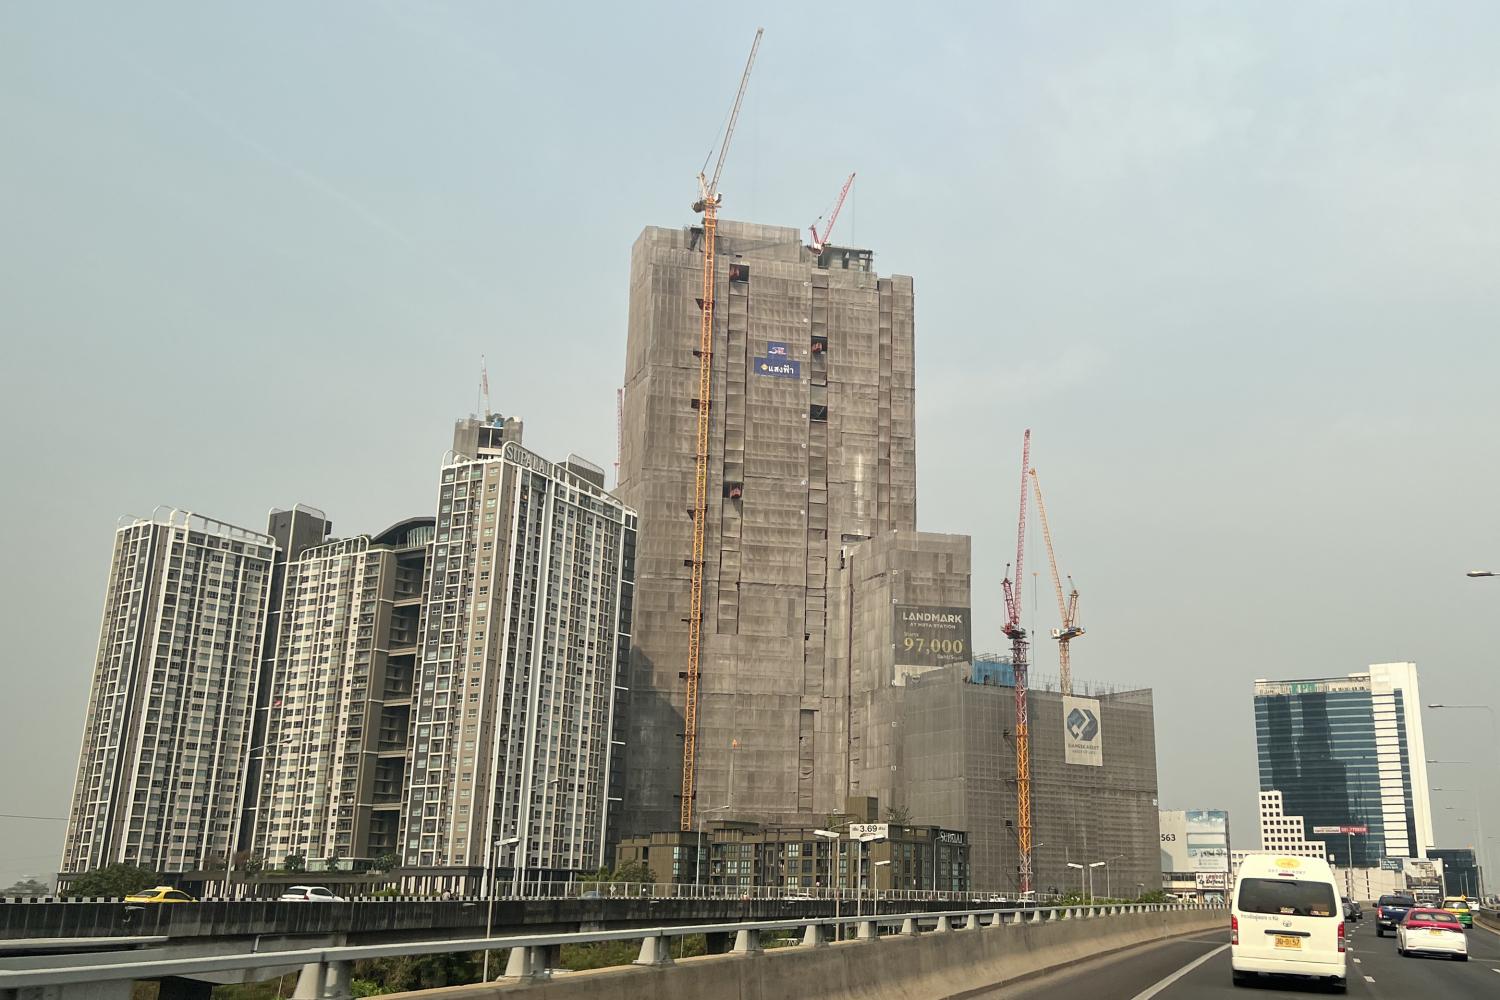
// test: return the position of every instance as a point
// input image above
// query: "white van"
(1286, 919)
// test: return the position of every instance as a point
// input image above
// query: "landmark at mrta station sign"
(925, 637)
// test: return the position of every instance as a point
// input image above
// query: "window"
(1289, 897)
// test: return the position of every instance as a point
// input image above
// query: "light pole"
(1478, 816)
(832, 836)
(1494, 742)
(698, 853)
(859, 872)
(1072, 864)
(879, 865)
(1092, 866)
(489, 919)
(1107, 893)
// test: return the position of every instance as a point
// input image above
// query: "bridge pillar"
(814, 937)
(909, 927)
(531, 963)
(747, 942)
(336, 981)
(177, 988)
(868, 931)
(654, 951)
(309, 982)
(943, 925)
(972, 924)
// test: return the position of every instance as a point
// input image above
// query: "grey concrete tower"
(812, 446)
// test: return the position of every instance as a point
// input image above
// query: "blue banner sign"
(779, 367)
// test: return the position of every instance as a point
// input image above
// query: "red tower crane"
(818, 242)
(1018, 649)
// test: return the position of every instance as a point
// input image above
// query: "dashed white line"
(1156, 988)
(1369, 979)
(1359, 961)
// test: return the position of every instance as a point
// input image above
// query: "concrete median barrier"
(892, 967)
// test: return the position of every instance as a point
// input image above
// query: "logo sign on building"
(1390, 864)
(776, 349)
(1083, 738)
(1212, 881)
(869, 831)
(1342, 830)
(779, 367)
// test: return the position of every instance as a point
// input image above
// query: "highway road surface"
(1197, 967)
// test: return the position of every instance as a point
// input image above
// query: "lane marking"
(1156, 988)
(1359, 961)
(1369, 979)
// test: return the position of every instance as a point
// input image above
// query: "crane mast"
(1018, 651)
(707, 203)
(1067, 607)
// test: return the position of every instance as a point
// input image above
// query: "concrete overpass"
(903, 955)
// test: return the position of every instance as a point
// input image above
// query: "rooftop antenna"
(484, 389)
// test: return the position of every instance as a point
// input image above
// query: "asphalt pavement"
(1197, 966)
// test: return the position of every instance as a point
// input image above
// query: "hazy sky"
(1236, 264)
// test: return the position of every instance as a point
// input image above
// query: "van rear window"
(1287, 897)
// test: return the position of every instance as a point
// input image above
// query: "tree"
(898, 815)
(295, 863)
(253, 864)
(113, 880)
(632, 871)
(28, 887)
(420, 972)
(387, 861)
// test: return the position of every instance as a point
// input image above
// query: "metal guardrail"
(527, 949)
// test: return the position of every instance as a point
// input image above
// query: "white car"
(1432, 932)
(312, 893)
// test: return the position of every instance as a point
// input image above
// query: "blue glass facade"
(1316, 744)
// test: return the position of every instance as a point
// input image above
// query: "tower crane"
(708, 203)
(818, 242)
(1067, 607)
(1018, 649)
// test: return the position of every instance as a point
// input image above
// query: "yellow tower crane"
(1067, 607)
(708, 203)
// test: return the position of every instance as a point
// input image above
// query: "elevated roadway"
(1197, 968)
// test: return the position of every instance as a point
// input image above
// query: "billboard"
(1083, 732)
(1195, 840)
(869, 831)
(925, 636)
(777, 349)
(1346, 830)
(779, 367)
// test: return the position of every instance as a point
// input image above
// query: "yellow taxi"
(1459, 907)
(161, 894)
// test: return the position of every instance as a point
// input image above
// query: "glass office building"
(1346, 754)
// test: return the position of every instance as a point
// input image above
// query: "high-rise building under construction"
(812, 448)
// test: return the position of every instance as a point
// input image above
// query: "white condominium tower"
(167, 736)
(527, 620)
(340, 692)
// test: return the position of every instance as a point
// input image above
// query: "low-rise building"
(803, 858)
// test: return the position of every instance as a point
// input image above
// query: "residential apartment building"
(1347, 755)
(340, 698)
(812, 446)
(161, 774)
(528, 613)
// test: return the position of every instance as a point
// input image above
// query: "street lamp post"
(1092, 866)
(832, 836)
(698, 853)
(878, 865)
(489, 878)
(1478, 816)
(1107, 893)
(1072, 864)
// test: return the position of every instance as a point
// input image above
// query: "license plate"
(1434, 933)
(1288, 941)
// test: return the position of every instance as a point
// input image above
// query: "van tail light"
(1234, 929)
(1342, 940)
